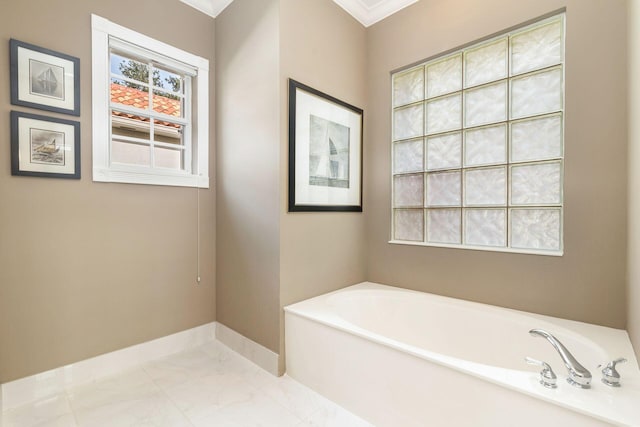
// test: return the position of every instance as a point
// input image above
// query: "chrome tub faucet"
(610, 375)
(579, 376)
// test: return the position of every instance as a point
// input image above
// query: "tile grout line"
(259, 389)
(73, 411)
(164, 393)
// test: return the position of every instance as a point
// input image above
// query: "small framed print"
(325, 152)
(44, 79)
(44, 146)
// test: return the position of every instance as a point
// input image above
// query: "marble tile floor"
(210, 386)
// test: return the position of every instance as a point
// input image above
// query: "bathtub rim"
(523, 381)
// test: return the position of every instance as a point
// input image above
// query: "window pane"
(537, 139)
(536, 184)
(536, 93)
(444, 114)
(443, 226)
(169, 133)
(485, 146)
(408, 156)
(408, 122)
(487, 104)
(129, 153)
(409, 224)
(168, 158)
(485, 187)
(485, 227)
(486, 64)
(168, 80)
(129, 125)
(443, 189)
(123, 65)
(408, 190)
(408, 87)
(537, 48)
(535, 229)
(167, 103)
(129, 94)
(444, 76)
(444, 151)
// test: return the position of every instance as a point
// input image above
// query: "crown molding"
(369, 15)
(210, 7)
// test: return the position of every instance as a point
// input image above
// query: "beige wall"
(248, 170)
(633, 256)
(323, 47)
(588, 282)
(267, 257)
(118, 269)
(87, 268)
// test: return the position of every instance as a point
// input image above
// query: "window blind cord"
(198, 234)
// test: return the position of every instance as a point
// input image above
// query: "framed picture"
(44, 146)
(325, 152)
(44, 79)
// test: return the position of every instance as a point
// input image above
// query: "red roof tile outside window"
(132, 97)
(140, 99)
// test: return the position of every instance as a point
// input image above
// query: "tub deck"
(344, 345)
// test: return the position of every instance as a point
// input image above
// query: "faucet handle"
(610, 375)
(547, 376)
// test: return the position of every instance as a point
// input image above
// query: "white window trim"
(103, 171)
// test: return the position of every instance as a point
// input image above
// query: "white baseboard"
(35, 387)
(261, 356)
(32, 388)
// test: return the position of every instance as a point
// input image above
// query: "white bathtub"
(403, 358)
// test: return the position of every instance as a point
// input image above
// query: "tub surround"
(448, 355)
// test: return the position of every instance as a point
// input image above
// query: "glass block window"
(477, 145)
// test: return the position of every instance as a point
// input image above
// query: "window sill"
(148, 178)
(480, 248)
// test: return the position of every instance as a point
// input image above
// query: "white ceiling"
(367, 12)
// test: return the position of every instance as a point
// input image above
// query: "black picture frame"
(44, 79)
(44, 146)
(325, 152)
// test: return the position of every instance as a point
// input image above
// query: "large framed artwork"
(44, 79)
(44, 146)
(325, 152)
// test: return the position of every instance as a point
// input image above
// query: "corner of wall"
(633, 215)
(324, 47)
(247, 169)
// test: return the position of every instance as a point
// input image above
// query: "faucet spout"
(579, 376)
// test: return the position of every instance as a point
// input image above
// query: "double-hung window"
(477, 146)
(150, 110)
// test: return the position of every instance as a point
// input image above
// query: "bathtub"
(397, 357)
